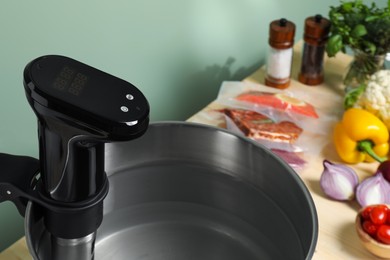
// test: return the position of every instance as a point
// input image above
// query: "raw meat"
(257, 126)
(279, 101)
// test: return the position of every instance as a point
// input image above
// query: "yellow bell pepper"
(361, 136)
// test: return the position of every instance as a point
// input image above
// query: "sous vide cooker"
(79, 108)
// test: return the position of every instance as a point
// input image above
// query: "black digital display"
(71, 81)
(86, 94)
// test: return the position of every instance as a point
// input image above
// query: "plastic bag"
(279, 105)
(316, 124)
(292, 159)
(283, 135)
(287, 149)
(283, 138)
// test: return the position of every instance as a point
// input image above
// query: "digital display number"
(71, 81)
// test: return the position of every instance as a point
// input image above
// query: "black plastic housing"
(79, 108)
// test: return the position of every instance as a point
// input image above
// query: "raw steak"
(257, 126)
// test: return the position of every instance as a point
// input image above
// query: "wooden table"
(337, 237)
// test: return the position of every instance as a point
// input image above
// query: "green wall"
(176, 51)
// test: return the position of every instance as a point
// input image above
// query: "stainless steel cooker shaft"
(76, 248)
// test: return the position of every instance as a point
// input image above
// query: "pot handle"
(17, 175)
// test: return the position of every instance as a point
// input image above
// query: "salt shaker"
(315, 37)
(281, 41)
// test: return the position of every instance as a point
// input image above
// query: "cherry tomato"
(383, 234)
(378, 215)
(383, 206)
(366, 212)
(388, 218)
(369, 227)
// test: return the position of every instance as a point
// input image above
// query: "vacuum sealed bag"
(278, 105)
(281, 120)
(283, 138)
(278, 135)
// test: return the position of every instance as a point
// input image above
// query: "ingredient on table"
(374, 97)
(361, 136)
(359, 26)
(257, 126)
(378, 214)
(280, 137)
(373, 190)
(279, 101)
(375, 221)
(352, 96)
(384, 168)
(374, 237)
(279, 60)
(315, 37)
(383, 234)
(364, 28)
(338, 181)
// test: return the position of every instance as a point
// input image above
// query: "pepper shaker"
(315, 37)
(279, 60)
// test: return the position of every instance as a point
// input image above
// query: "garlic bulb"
(338, 181)
(373, 190)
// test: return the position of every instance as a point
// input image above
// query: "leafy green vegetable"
(359, 26)
(334, 45)
(353, 95)
(359, 31)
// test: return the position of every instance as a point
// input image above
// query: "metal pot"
(189, 191)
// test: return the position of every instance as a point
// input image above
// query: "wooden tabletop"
(337, 237)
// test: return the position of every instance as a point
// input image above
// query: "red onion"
(373, 190)
(338, 181)
(384, 168)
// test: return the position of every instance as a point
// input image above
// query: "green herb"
(353, 95)
(360, 27)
